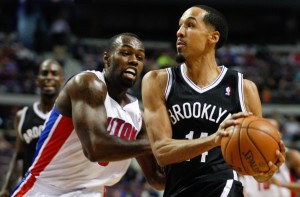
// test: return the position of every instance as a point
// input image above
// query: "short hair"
(218, 21)
(111, 45)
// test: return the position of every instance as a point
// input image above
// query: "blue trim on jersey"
(45, 133)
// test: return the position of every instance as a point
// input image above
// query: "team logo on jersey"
(120, 128)
(228, 91)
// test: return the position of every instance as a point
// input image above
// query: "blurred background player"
(29, 121)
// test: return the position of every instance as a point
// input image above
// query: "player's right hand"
(4, 193)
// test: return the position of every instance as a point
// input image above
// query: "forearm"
(175, 151)
(9, 179)
(114, 149)
(295, 187)
(153, 173)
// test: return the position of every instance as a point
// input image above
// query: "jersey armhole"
(169, 83)
(241, 92)
(21, 122)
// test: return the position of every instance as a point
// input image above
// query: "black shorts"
(211, 185)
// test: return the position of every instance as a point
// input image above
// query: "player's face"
(50, 78)
(125, 63)
(193, 33)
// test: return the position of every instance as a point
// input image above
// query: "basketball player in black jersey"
(29, 121)
(185, 108)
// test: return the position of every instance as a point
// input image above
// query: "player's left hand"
(228, 122)
(265, 176)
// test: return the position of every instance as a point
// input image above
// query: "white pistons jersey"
(252, 188)
(60, 166)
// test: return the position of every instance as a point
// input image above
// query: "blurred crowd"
(276, 72)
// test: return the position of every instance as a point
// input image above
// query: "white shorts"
(41, 190)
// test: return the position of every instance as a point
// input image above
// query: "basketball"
(251, 144)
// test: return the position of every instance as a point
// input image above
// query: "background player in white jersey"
(288, 175)
(191, 102)
(91, 133)
(29, 121)
(284, 180)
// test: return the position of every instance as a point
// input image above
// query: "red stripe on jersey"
(59, 135)
(26, 187)
(293, 179)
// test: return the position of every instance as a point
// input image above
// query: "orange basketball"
(251, 145)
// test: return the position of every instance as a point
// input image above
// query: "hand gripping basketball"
(251, 144)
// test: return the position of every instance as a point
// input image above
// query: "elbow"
(158, 185)
(161, 160)
(90, 154)
(93, 154)
(157, 180)
(161, 156)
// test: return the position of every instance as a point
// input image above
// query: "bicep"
(87, 96)
(155, 112)
(252, 99)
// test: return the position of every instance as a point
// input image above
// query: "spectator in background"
(291, 129)
(30, 23)
(60, 51)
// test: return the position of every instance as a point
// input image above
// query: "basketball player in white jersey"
(29, 121)
(92, 131)
(283, 183)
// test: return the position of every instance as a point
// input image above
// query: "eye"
(190, 24)
(44, 73)
(140, 57)
(125, 53)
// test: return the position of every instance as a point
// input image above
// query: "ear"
(37, 82)
(106, 59)
(214, 37)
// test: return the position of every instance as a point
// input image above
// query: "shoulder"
(156, 75)
(21, 112)
(249, 85)
(252, 98)
(85, 82)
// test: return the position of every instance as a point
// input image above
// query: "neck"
(46, 103)
(202, 71)
(117, 92)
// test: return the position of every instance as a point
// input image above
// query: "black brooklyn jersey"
(29, 128)
(197, 112)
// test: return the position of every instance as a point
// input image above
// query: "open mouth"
(130, 71)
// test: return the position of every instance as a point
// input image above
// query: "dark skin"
(83, 99)
(49, 80)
